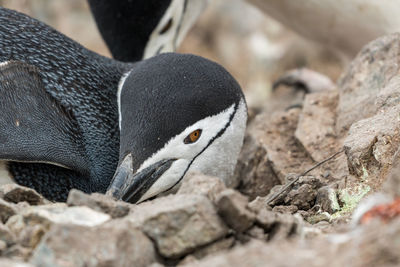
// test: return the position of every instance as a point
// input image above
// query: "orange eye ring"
(192, 137)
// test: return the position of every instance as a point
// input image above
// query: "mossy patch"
(350, 197)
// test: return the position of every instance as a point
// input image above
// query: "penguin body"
(65, 110)
(76, 79)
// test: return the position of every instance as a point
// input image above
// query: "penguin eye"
(166, 27)
(192, 137)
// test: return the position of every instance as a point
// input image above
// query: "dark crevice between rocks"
(175, 261)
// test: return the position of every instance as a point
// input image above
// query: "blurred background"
(253, 47)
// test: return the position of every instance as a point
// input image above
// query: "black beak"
(131, 187)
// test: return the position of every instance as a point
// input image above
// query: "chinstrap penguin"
(72, 118)
(140, 29)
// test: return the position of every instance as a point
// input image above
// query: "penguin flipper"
(35, 127)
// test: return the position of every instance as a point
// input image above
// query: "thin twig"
(269, 201)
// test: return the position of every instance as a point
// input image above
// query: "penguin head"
(178, 113)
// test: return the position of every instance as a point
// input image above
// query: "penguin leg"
(305, 80)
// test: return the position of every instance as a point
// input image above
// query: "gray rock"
(200, 184)
(270, 152)
(257, 233)
(18, 252)
(279, 225)
(316, 126)
(62, 214)
(291, 209)
(16, 193)
(232, 207)
(392, 184)
(319, 217)
(6, 210)
(12, 263)
(302, 193)
(178, 224)
(6, 235)
(98, 202)
(220, 245)
(371, 144)
(253, 168)
(368, 74)
(112, 244)
(258, 204)
(327, 199)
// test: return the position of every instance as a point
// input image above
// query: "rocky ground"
(310, 223)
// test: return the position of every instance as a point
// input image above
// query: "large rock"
(6, 210)
(270, 152)
(200, 184)
(62, 214)
(368, 74)
(371, 144)
(31, 224)
(375, 245)
(279, 226)
(232, 206)
(98, 202)
(316, 126)
(16, 193)
(11, 263)
(178, 224)
(113, 244)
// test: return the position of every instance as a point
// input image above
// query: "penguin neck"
(127, 25)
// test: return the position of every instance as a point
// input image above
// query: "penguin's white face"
(173, 26)
(200, 148)
(210, 146)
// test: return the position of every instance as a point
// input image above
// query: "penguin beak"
(131, 187)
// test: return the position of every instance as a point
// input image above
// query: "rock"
(3, 247)
(257, 233)
(98, 202)
(16, 224)
(279, 225)
(18, 252)
(62, 214)
(232, 206)
(178, 224)
(291, 209)
(258, 204)
(257, 253)
(12, 263)
(371, 144)
(112, 244)
(327, 199)
(253, 168)
(200, 184)
(305, 79)
(6, 210)
(302, 193)
(215, 247)
(6, 235)
(270, 152)
(370, 72)
(320, 217)
(31, 235)
(392, 184)
(316, 126)
(16, 193)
